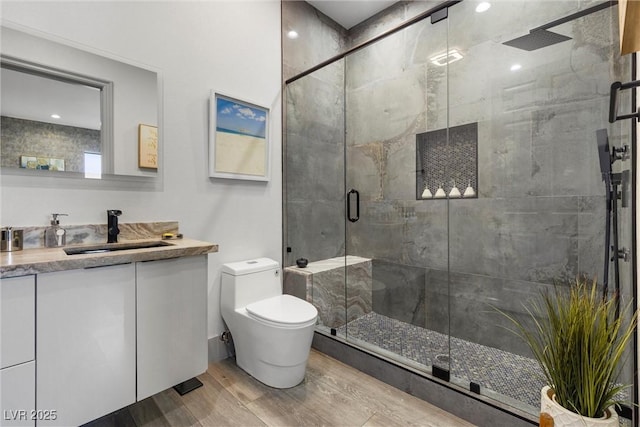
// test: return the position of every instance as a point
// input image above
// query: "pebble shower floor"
(511, 375)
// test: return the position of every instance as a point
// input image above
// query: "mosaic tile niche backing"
(443, 162)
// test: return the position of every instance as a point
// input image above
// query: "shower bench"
(322, 283)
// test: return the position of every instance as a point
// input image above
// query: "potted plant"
(579, 340)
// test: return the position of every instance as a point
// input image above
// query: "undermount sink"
(111, 247)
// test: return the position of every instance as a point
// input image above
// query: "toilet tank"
(249, 281)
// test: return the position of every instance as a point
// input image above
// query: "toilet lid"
(285, 309)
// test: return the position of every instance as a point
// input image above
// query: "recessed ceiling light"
(446, 58)
(516, 67)
(292, 34)
(483, 7)
(55, 116)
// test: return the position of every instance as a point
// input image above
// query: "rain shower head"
(540, 37)
(537, 39)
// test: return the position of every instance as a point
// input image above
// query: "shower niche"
(447, 163)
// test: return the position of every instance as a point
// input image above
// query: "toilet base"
(275, 376)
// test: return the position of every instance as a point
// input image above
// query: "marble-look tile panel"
(465, 305)
(591, 241)
(307, 159)
(328, 264)
(325, 287)
(531, 238)
(298, 285)
(315, 229)
(324, 39)
(388, 19)
(414, 232)
(399, 292)
(372, 117)
(319, 117)
(97, 233)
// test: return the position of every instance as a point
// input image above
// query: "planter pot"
(563, 417)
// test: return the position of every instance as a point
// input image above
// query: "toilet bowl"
(271, 332)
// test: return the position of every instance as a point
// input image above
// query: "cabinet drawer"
(18, 395)
(17, 320)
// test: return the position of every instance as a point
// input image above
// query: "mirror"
(50, 122)
(66, 110)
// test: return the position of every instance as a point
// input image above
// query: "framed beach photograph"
(238, 139)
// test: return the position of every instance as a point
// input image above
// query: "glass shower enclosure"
(449, 169)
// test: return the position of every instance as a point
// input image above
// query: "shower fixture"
(613, 181)
(537, 39)
(540, 37)
(604, 154)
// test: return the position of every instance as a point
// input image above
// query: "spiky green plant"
(579, 343)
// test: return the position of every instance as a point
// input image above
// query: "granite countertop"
(46, 260)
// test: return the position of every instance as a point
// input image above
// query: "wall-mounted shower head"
(537, 39)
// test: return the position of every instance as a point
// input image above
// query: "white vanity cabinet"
(171, 322)
(17, 351)
(86, 344)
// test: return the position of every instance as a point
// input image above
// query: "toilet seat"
(283, 310)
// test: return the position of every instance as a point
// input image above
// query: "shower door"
(396, 103)
(314, 193)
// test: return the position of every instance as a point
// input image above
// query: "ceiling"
(350, 13)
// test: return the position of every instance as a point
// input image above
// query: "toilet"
(271, 332)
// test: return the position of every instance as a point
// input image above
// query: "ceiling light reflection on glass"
(55, 116)
(446, 58)
(483, 7)
(515, 67)
(292, 34)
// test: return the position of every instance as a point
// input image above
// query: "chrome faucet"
(112, 225)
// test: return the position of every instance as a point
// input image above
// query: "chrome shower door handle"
(357, 205)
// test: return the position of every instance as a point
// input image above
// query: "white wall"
(231, 46)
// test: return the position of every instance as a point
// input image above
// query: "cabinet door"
(18, 396)
(17, 320)
(172, 322)
(86, 342)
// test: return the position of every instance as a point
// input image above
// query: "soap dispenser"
(55, 236)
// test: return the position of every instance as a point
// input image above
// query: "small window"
(92, 165)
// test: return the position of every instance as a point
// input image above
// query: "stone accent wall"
(20, 137)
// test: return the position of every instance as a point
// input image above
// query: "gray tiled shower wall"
(539, 215)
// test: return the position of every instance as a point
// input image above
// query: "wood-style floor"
(332, 394)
